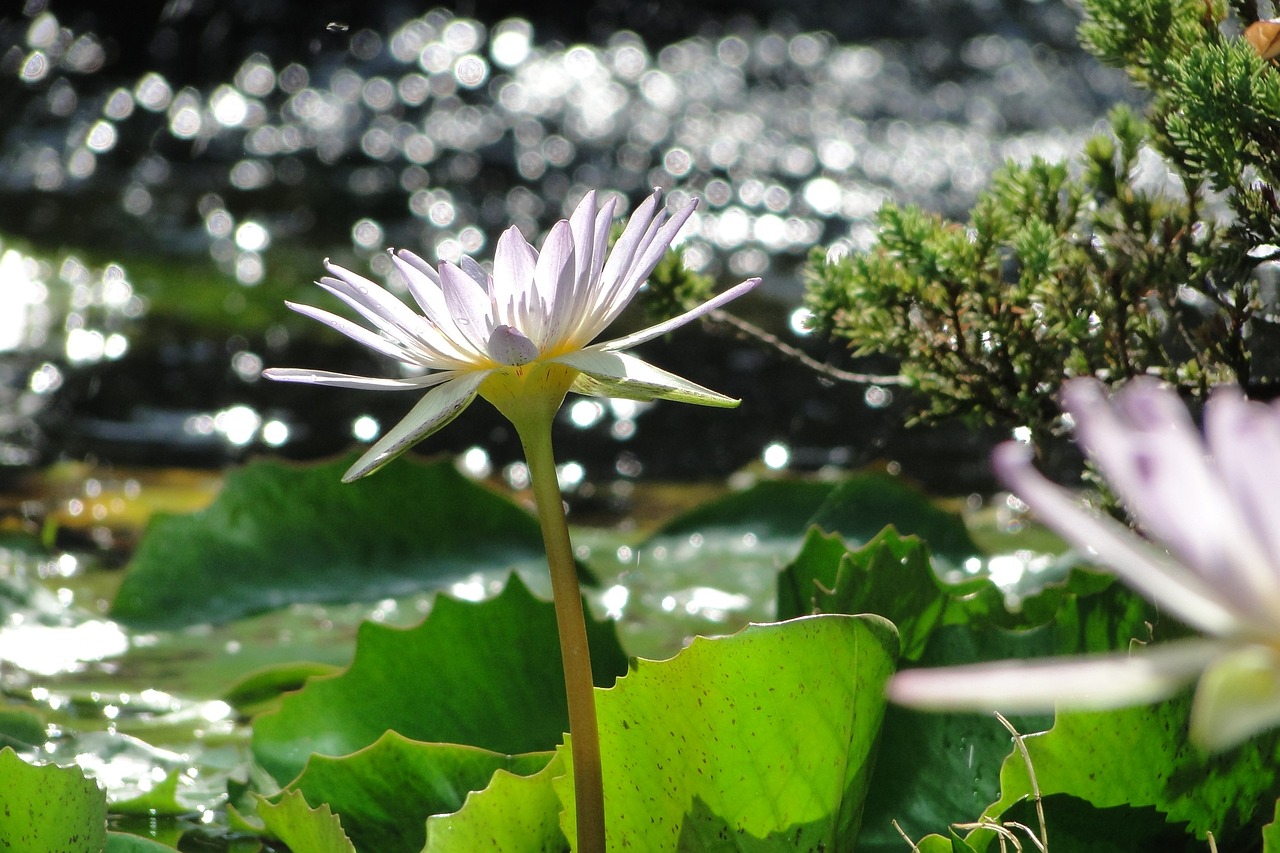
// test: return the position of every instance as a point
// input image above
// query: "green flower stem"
(588, 783)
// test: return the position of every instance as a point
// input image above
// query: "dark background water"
(169, 172)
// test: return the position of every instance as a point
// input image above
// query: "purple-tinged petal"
(435, 410)
(1244, 438)
(508, 345)
(637, 338)
(417, 263)
(412, 331)
(346, 380)
(1090, 682)
(614, 374)
(1141, 565)
(1150, 451)
(620, 293)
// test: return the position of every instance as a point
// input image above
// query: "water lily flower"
(521, 337)
(1210, 511)
(531, 321)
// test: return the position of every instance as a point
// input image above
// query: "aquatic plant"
(520, 337)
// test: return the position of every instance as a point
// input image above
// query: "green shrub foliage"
(1094, 267)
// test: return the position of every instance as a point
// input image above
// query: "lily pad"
(49, 809)
(486, 674)
(514, 814)
(282, 534)
(160, 800)
(122, 842)
(1141, 756)
(768, 734)
(304, 829)
(891, 576)
(385, 792)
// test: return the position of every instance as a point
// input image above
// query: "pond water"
(170, 176)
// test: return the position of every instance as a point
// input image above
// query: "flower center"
(509, 345)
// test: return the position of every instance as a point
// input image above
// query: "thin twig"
(753, 331)
(907, 838)
(1031, 775)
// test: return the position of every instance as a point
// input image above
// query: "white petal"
(652, 332)
(1238, 697)
(653, 246)
(412, 331)
(613, 374)
(440, 406)
(554, 276)
(1135, 560)
(469, 306)
(346, 380)
(626, 247)
(1090, 682)
(513, 263)
(355, 331)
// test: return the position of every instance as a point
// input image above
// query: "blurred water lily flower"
(1214, 505)
(528, 323)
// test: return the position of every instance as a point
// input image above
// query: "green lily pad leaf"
(304, 829)
(514, 814)
(160, 800)
(1271, 832)
(891, 576)
(1074, 826)
(21, 728)
(49, 809)
(1141, 756)
(938, 769)
(486, 675)
(769, 733)
(281, 534)
(121, 842)
(259, 690)
(384, 792)
(864, 504)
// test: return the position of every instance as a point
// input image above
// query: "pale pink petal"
(1150, 451)
(1244, 438)
(1139, 563)
(1090, 682)
(554, 276)
(513, 264)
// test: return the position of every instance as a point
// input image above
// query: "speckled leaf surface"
(767, 736)
(49, 809)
